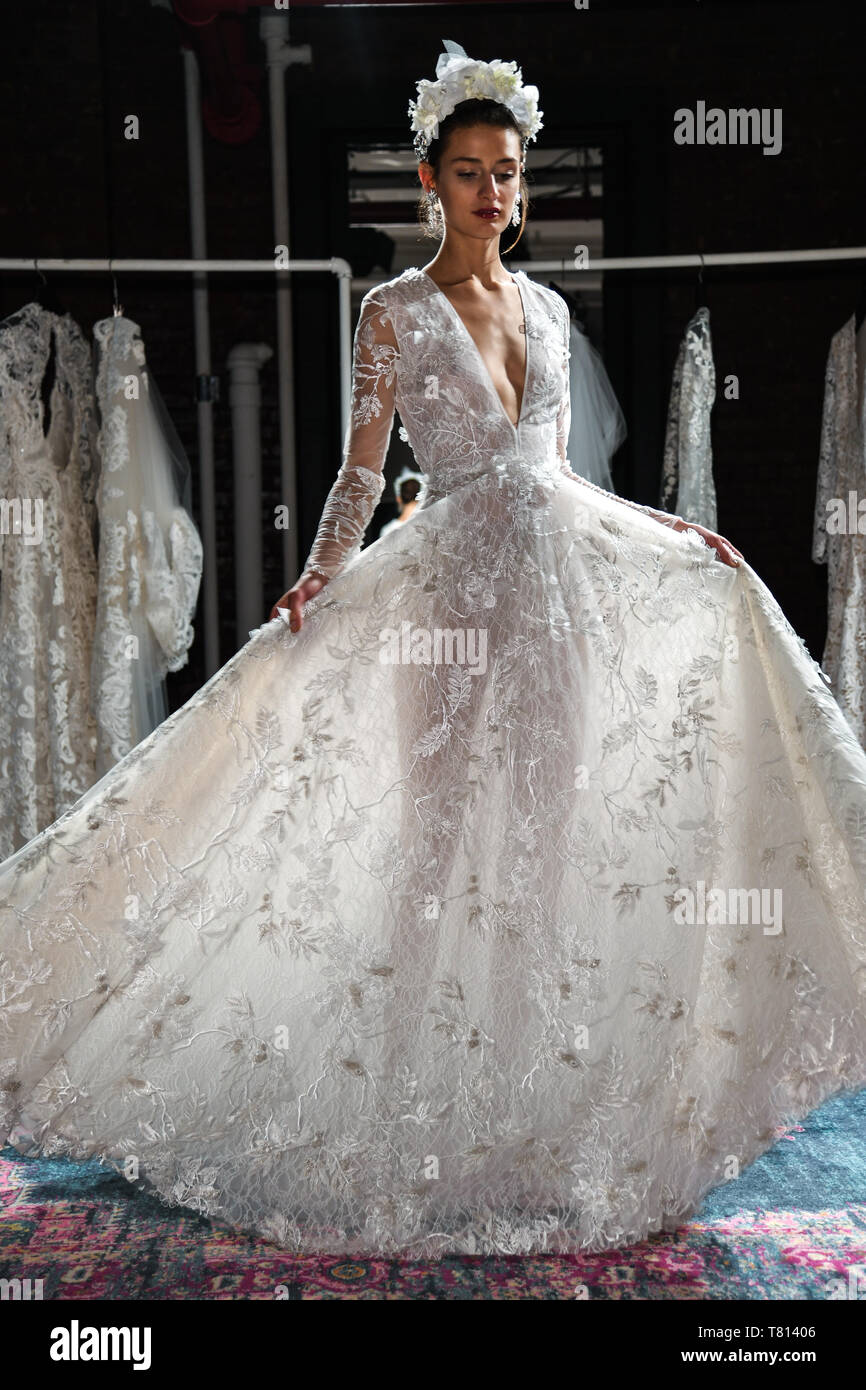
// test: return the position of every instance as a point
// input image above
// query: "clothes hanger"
(45, 294)
(48, 300)
(118, 307)
(701, 295)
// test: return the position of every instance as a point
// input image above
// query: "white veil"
(597, 423)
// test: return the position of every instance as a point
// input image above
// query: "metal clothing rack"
(343, 271)
(149, 265)
(699, 260)
(200, 267)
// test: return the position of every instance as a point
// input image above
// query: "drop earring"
(434, 214)
(515, 216)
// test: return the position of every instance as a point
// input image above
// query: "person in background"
(407, 486)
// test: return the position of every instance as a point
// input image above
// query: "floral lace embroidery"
(48, 585)
(359, 483)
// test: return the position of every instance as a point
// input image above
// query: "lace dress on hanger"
(840, 542)
(492, 911)
(150, 553)
(48, 470)
(687, 467)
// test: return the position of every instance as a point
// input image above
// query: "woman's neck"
(454, 265)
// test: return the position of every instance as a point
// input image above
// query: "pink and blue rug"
(792, 1224)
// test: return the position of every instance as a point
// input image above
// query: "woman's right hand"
(309, 584)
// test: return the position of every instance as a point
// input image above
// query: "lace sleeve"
(360, 482)
(563, 425)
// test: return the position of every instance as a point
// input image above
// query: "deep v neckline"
(477, 350)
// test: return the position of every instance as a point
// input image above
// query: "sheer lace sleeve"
(563, 425)
(360, 482)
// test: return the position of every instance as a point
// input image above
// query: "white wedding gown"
(375, 955)
(49, 469)
(150, 553)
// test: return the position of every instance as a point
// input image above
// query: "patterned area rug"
(792, 1227)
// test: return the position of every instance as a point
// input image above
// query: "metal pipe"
(274, 29)
(245, 398)
(334, 265)
(345, 311)
(151, 264)
(201, 328)
(834, 253)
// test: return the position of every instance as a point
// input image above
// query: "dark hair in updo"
(409, 489)
(474, 111)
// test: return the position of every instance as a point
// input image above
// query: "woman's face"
(479, 174)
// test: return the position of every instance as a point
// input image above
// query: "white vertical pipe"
(275, 32)
(245, 398)
(344, 281)
(201, 323)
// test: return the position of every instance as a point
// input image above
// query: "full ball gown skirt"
(524, 948)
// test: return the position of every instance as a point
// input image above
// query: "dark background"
(72, 186)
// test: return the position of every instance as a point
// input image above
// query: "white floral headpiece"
(459, 77)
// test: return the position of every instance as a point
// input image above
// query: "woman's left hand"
(723, 548)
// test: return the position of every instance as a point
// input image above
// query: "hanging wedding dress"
(839, 536)
(687, 466)
(385, 941)
(150, 553)
(47, 571)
